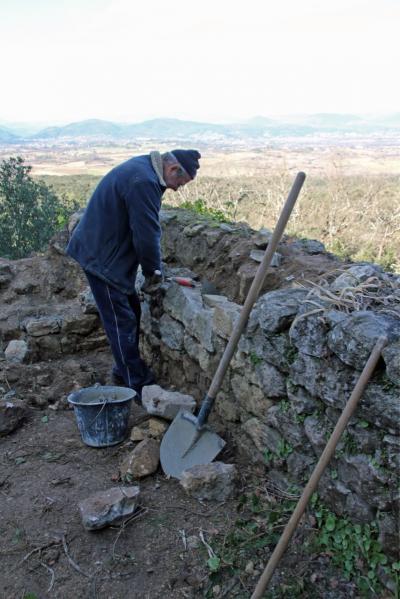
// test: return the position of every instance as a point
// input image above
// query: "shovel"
(189, 441)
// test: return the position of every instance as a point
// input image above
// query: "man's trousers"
(120, 315)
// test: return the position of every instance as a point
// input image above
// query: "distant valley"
(340, 129)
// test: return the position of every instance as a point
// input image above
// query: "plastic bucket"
(102, 414)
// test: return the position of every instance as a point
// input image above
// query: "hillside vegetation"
(357, 217)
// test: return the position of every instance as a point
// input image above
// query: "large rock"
(352, 339)
(380, 404)
(210, 482)
(264, 437)
(284, 419)
(46, 325)
(79, 323)
(142, 461)
(226, 315)
(363, 476)
(186, 305)
(300, 465)
(261, 346)
(171, 332)
(332, 382)
(48, 346)
(301, 401)
(250, 398)
(159, 402)
(258, 256)
(17, 351)
(201, 327)
(391, 356)
(263, 238)
(12, 414)
(275, 311)
(197, 352)
(309, 246)
(269, 379)
(344, 502)
(309, 329)
(354, 276)
(182, 303)
(227, 407)
(317, 433)
(108, 507)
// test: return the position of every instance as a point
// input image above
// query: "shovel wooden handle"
(252, 296)
(319, 469)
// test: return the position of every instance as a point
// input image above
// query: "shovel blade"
(183, 446)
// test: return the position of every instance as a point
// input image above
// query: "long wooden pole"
(319, 469)
(251, 298)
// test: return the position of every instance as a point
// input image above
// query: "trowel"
(206, 286)
(189, 441)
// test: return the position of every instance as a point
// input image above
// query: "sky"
(211, 60)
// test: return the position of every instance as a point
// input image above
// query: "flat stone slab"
(210, 482)
(108, 507)
(159, 402)
(46, 325)
(258, 255)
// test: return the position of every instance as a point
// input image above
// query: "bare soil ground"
(45, 470)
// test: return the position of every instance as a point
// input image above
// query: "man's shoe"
(148, 377)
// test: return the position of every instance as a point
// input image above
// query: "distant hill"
(257, 128)
(7, 136)
(88, 128)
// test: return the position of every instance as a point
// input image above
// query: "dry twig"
(71, 561)
(51, 573)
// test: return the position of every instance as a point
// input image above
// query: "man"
(119, 231)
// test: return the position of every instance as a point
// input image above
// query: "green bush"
(30, 212)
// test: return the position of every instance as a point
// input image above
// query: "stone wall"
(51, 341)
(295, 367)
(307, 340)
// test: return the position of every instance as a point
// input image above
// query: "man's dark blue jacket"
(120, 228)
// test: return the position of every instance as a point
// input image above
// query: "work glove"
(153, 283)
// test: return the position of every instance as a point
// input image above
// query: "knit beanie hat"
(189, 159)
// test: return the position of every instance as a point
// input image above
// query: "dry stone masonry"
(306, 342)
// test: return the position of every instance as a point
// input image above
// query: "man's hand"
(153, 283)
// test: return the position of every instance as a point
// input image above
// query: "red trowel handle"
(185, 282)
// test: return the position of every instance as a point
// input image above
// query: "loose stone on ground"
(211, 482)
(108, 507)
(142, 461)
(12, 414)
(164, 403)
(16, 351)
